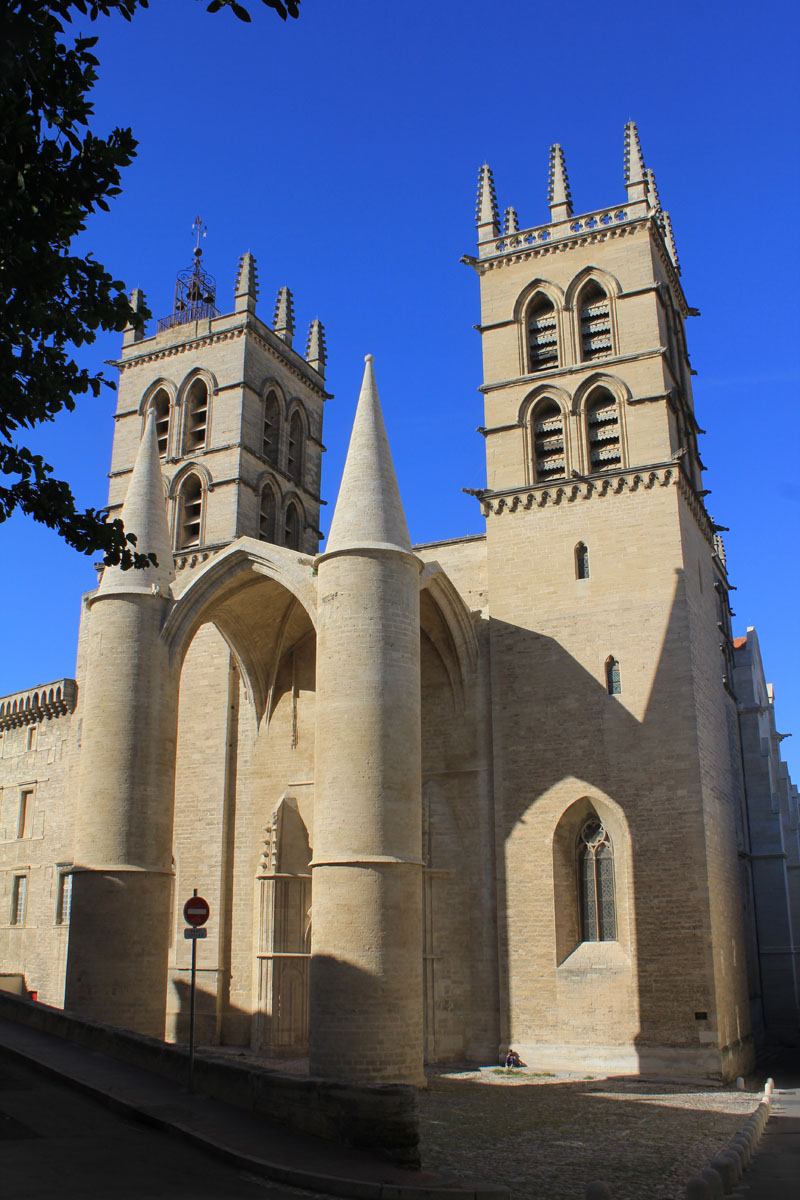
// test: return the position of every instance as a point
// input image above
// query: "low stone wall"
(382, 1118)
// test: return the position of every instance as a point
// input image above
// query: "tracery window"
(291, 530)
(596, 883)
(548, 441)
(190, 513)
(266, 520)
(272, 428)
(294, 459)
(196, 417)
(594, 315)
(581, 561)
(542, 333)
(159, 406)
(602, 432)
(613, 678)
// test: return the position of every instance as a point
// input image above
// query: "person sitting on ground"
(513, 1060)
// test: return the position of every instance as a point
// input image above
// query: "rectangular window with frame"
(25, 822)
(64, 897)
(19, 899)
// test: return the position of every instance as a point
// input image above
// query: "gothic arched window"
(266, 519)
(190, 513)
(549, 461)
(159, 407)
(613, 681)
(272, 428)
(581, 561)
(542, 327)
(602, 432)
(594, 315)
(294, 459)
(195, 421)
(596, 883)
(291, 527)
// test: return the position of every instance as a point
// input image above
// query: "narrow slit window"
(266, 521)
(602, 428)
(19, 899)
(25, 822)
(196, 417)
(542, 334)
(548, 442)
(613, 681)
(272, 428)
(594, 314)
(294, 461)
(596, 883)
(581, 561)
(292, 527)
(64, 898)
(160, 408)
(190, 513)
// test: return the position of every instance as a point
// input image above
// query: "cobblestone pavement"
(546, 1137)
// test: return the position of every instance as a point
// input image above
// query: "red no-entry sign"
(196, 911)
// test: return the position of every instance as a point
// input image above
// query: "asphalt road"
(57, 1143)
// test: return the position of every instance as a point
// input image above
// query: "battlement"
(38, 704)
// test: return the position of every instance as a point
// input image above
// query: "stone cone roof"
(369, 511)
(145, 514)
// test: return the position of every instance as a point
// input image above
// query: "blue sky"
(343, 150)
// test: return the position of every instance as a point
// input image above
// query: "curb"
(723, 1173)
(348, 1189)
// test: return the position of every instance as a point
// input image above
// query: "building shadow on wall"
(560, 724)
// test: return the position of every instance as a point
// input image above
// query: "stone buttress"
(119, 935)
(366, 967)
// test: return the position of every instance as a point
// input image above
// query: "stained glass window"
(596, 883)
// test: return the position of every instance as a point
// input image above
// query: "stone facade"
(515, 789)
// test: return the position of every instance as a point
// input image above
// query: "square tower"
(238, 415)
(614, 731)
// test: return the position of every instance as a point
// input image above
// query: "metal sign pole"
(191, 1011)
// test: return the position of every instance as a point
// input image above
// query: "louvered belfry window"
(602, 430)
(596, 883)
(548, 441)
(196, 427)
(190, 513)
(266, 524)
(594, 312)
(542, 334)
(271, 428)
(160, 408)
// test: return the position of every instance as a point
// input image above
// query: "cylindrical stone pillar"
(366, 944)
(120, 918)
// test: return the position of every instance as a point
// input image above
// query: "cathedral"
(516, 789)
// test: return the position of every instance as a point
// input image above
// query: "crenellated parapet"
(43, 703)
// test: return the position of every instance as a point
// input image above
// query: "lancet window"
(542, 334)
(594, 315)
(196, 417)
(294, 459)
(266, 519)
(190, 513)
(596, 883)
(602, 432)
(613, 677)
(549, 459)
(291, 527)
(272, 428)
(159, 406)
(581, 561)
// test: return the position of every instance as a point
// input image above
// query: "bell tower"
(238, 414)
(610, 641)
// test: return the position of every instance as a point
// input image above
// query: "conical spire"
(246, 284)
(316, 354)
(138, 304)
(635, 182)
(558, 194)
(283, 321)
(369, 511)
(145, 514)
(486, 215)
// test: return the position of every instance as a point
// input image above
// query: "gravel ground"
(546, 1137)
